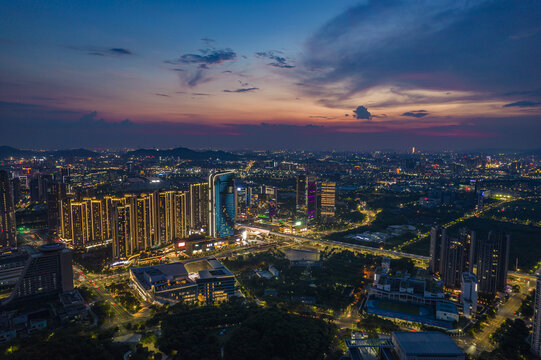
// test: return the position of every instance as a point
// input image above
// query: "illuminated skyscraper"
(307, 198)
(222, 204)
(536, 333)
(95, 223)
(181, 221)
(121, 231)
(141, 225)
(79, 223)
(328, 199)
(8, 231)
(65, 231)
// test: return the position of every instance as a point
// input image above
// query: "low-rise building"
(431, 345)
(198, 280)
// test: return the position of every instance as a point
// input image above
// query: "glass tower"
(222, 204)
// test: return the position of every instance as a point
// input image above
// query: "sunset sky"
(356, 75)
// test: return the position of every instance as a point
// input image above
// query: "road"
(462, 218)
(97, 283)
(506, 311)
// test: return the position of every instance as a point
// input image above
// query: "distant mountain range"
(8, 151)
(184, 153)
(180, 152)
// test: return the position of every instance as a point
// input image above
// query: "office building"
(197, 280)
(328, 199)
(307, 198)
(222, 204)
(8, 231)
(468, 295)
(47, 272)
(536, 333)
(492, 264)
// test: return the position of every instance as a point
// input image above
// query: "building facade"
(197, 280)
(222, 204)
(8, 231)
(492, 264)
(328, 200)
(536, 334)
(468, 295)
(47, 272)
(307, 198)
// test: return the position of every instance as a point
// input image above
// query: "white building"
(468, 296)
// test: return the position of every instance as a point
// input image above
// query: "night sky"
(454, 75)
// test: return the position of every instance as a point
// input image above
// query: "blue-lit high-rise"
(222, 204)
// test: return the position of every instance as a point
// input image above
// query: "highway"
(357, 247)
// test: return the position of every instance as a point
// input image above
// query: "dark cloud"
(193, 79)
(321, 117)
(242, 90)
(120, 51)
(158, 94)
(277, 60)
(416, 113)
(101, 51)
(362, 113)
(524, 103)
(534, 92)
(207, 57)
(91, 120)
(422, 44)
(201, 94)
(193, 69)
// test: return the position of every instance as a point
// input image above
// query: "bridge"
(357, 247)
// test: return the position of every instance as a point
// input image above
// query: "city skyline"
(345, 75)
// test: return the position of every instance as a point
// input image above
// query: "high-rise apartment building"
(492, 263)
(8, 231)
(307, 198)
(180, 212)
(437, 234)
(222, 204)
(199, 212)
(468, 295)
(56, 192)
(536, 333)
(456, 257)
(328, 199)
(121, 231)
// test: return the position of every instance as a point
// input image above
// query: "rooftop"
(190, 271)
(426, 343)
